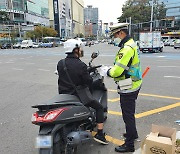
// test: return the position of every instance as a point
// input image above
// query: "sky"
(109, 10)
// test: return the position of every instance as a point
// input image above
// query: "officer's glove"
(103, 70)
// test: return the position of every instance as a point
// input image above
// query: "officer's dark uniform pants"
(99, 110)
(128, 103)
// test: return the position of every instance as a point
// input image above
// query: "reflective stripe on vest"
(130, 91)
(123, 66)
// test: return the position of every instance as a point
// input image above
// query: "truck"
(26, 44)
(150, 42)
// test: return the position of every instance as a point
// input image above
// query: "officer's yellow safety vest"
(127, 59)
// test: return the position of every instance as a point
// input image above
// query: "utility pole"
(130, 25)
(152, 12)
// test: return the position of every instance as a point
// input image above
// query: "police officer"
(127, 74)
(80, 76)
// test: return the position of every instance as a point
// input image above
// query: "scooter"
(65, 123)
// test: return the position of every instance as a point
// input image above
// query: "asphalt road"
(26, 78)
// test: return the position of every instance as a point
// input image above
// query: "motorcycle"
(65, 123)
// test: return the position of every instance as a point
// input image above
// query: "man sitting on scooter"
(80, 76)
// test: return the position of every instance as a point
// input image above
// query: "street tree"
(140, 11)
(39, 32)
(4, 16)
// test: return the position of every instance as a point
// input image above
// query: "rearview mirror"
(94, 55)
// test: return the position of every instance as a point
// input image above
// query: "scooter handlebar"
(93, 68)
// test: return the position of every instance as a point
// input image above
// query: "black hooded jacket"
(77, 71)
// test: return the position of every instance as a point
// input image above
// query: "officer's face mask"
(117, 40)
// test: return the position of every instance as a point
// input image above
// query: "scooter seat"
(59, 100)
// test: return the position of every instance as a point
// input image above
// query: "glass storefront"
(2, 4)
(39, 7)
(173, 8)
(18, 5)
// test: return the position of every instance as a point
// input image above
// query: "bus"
(55, 40)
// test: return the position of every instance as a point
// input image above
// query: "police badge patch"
(120, 55)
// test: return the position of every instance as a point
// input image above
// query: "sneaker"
(101, 139)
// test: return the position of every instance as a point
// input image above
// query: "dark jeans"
(99, 110)
(128, 103)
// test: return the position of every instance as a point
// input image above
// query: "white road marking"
(161, 56)
(9, 62)
(43, 70)
(18, 69)
(177, 77)
(168, 66)
(52, 63)
(30, 63)
(162, 60)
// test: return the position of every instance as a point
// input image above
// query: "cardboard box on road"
(161, 140)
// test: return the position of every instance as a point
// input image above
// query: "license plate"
(43, 142)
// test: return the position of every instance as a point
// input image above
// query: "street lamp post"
(152, 10)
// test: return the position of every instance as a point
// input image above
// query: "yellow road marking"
(111, 139)
(152, 95)
(161, 109)
(115, 113)
(112, 90)
(143, 94)
(147, 113)
(113, 100)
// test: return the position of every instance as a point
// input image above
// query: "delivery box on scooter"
(161, 140)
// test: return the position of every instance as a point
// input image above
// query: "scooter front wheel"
(45, 151)
(70, 150)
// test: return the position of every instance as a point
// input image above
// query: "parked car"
(6, 46)
(172, 42)
(92, 42)
(26, 44)
(177, 44)
(17, 45)
(88, 43)
(35, 45)
(166, 43)
(96, 42)
(47, 45)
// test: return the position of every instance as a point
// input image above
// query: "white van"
(26, 44)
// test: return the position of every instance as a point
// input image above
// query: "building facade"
(172, 14)
(51, 13)
(91, 16)
(63, 17)
(173, 8)
(37, 12)
(26, 11)
(77, 17)
(14, 8)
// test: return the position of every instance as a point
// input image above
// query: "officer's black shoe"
(124, 148)
(125, 136)
(101, 139)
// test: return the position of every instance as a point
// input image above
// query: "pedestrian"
(80, 76)
(127, 74)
